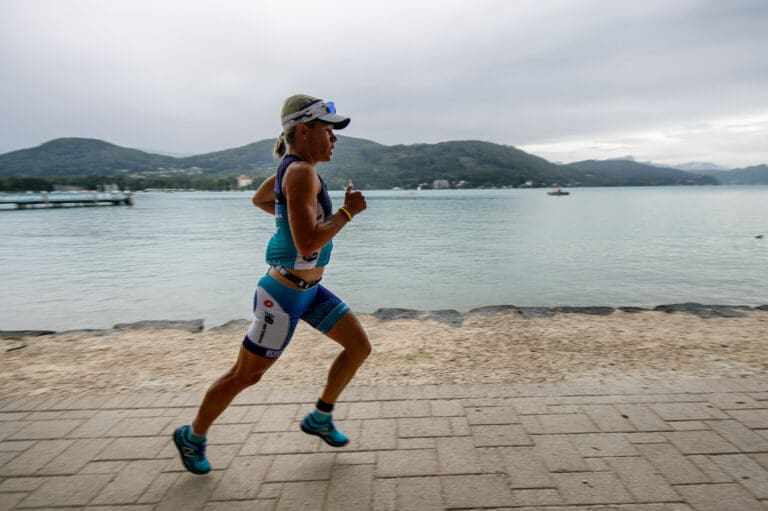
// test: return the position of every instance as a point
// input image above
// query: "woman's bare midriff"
(308, 275)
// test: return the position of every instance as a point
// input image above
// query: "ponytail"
(282, 142)
(280, 146)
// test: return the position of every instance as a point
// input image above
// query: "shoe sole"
(184, 458)
(308, 431)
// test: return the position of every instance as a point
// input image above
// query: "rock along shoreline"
(447, 316)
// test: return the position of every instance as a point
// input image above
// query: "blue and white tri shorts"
(277, 310)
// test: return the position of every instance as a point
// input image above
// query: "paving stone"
(700, 442)
(605, 444)
(446, 408)
(356, 458)
(529, 406)
(412, 463)
(253, 414)
(417, 443)
(13, 446)
(710, 468)
(499, 436)
(646, 438)
(160, 486)
(753, 419)
(476, 491)
(130, 483)
(675, 467)
(592, 488)
(642, 481)
(385, 494)
(539, 497)
(45, 430)
(746, 471)
(481, 415)
(286, 442)
(102, 467)
(276, 418)
(734, 401)
(141, 426)
(739, 435)
(457, 455)
(608, 418)
(364, 410)
(21, 484)
(398, 409)
(75, 490)
(229, 433)
(10, 500)
(244, 505)
(559, 423)
(242, 480)
(189, 492)
(99, 424)
(762, 459)
(425, 427)
(301, 467)
(378, 434)
(688, 425)
(687, 411)
(459, 426)
(133, 448)
(297, 496)
(351, 487)
(524, 467)
(413, 494)
(719, 497)
(559, 454)
(33, 459)
(75, 457)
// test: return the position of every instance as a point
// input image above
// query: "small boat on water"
(557, 191)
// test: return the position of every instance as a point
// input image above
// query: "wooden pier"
(64, 199)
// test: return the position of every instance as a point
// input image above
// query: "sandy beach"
(504, 347)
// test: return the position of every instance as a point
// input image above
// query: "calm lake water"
(199, 255)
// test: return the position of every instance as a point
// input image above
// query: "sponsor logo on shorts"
(269, 303)
(312, 257)
(272, 353)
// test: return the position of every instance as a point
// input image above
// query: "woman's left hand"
(354, 201)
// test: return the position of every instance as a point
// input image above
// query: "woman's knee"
(239, 380)
(360, 350)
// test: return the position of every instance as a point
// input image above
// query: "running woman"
(297, 255)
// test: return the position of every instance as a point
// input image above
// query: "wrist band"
(349, 215)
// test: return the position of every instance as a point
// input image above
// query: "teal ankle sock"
(321, 417)
(194, 437)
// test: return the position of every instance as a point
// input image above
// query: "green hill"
(77, 157)
(631, 173)
(368, 164)
(757, 175)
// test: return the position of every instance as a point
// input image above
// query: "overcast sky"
(668, 81)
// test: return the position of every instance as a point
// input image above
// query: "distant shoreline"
(446, 316)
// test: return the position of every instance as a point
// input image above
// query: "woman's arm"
(264, 198)
(301, 186)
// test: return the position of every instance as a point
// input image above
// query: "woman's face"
(319, 140)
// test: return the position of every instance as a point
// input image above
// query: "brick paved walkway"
(657, 446)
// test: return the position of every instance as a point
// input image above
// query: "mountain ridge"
(460, 163)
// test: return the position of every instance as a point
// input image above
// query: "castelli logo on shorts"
(269, 303)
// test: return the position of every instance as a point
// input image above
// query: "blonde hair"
(291, 105)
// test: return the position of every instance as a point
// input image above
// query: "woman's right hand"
(354, 202)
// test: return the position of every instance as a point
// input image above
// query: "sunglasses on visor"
(310, 113)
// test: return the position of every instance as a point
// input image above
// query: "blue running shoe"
(192, 454)
(325, 429)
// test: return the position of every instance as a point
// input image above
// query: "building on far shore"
(244, 181)
(439, 184)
